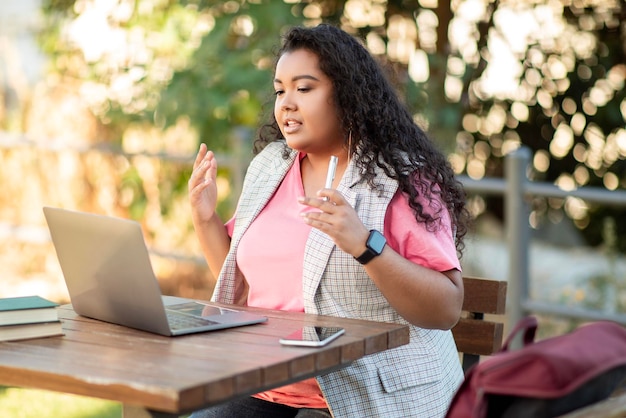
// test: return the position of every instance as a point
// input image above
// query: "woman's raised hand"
(202, 186)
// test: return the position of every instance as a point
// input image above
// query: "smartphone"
(312, 336)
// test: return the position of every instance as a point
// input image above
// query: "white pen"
(330, 176)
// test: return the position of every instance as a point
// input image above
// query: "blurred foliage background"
(131, 87)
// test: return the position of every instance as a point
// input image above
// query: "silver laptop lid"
(107, 269)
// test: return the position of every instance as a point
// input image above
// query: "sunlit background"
(104, 102)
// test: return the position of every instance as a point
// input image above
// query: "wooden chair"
(474, 334)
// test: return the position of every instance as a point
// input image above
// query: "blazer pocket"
(412, 372)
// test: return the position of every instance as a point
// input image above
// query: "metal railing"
(516, 188)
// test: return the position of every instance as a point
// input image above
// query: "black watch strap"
(373, 247)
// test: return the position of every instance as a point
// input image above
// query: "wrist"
(374, 246)
(203, 222)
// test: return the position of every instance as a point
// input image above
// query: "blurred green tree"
(483, 77)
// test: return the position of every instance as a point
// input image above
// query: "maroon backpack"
(547, 378)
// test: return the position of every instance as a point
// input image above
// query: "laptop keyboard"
(181, 321)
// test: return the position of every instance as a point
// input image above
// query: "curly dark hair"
(382, 130)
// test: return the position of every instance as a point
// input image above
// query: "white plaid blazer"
(415, 380)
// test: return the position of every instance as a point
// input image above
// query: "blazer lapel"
(260, 192)
(267, 176)
(319, 246)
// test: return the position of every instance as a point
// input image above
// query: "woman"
(381, 244)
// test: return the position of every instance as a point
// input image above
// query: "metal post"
(518, 232)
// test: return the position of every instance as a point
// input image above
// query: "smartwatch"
(375, 244)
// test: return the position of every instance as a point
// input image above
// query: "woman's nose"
(287, 103)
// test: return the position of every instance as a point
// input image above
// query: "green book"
(27, 310)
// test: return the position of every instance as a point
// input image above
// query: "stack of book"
(28, 317)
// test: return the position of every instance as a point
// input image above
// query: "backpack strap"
(528, 326)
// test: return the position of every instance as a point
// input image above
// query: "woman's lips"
(291, 126)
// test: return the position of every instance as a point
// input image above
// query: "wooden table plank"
(179, 374)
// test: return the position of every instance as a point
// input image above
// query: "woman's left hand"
(337, 219)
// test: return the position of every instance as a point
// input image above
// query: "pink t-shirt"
(271, 252)
(271, 258)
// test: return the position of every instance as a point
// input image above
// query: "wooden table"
(152, 375)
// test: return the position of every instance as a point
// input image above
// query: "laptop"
(109, 277)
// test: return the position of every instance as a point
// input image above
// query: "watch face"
(376, 242)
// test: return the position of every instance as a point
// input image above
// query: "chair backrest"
(474, 334)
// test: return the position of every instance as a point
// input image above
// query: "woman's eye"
(299, 89)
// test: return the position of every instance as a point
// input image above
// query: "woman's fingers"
(205, 167)
(327, 198)
(200, 155)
